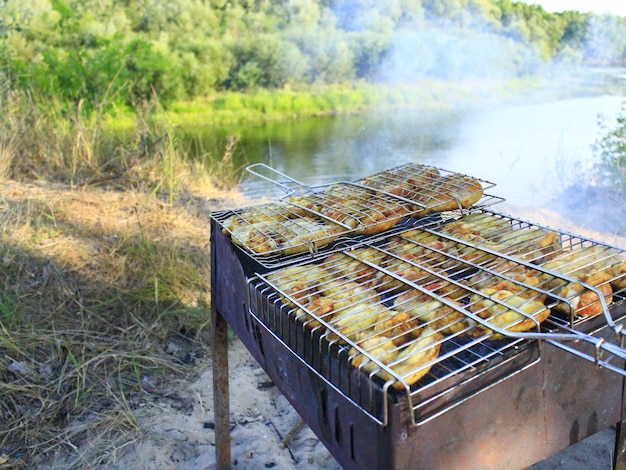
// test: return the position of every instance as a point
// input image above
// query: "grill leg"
(221, 403)
(619, 457)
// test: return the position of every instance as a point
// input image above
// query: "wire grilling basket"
(313, 219)
(393, 311)
(416, 310)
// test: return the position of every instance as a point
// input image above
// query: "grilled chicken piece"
(288, 236)
(351, 268)
(409, 364)
(405, 183)
(618, 276)
(352, 321)
(591, 266)
(535, 244)
(400, 328)
(450, 192)
(412, 362)
(431, 312)
(581, 300)
(300, 283)
(496, 233)
(505, 310)
(379, 347)
(319, 308)
(360, 209)
(478, 226)
(346, 293)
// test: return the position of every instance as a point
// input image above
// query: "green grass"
(104, 262)
(238, 107)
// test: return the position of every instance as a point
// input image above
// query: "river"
(532, 149)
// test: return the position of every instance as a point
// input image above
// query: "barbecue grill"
(440, 335)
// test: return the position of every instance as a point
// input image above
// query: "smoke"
(421, 50)
(457, 56)
(605, 41)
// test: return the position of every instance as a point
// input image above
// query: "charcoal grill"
(498, 384)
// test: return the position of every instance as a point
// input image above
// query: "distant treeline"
(124, 52)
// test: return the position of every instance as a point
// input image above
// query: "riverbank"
(427, 95)
(104, 308)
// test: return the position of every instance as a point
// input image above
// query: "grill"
(441, 334)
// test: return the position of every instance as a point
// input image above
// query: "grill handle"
(600, 347)
(289, 184)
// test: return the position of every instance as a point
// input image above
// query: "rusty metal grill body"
(491, 398)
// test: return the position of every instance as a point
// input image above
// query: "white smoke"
(458, 56)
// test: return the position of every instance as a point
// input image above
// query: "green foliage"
(121, 52)
(610, 148)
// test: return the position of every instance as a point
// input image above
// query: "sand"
(266, 432)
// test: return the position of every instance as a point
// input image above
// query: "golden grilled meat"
(477, 226)
(405, 183)
(412, 362)
(450, 192)
(618, 275)
(431, 312)
(362, 210)
(433, 191)
(346, 293)
(438, 251)
(523, 281)
(536, 245)
(589, 266)
(405, 365)
(353, 269)
(496, 233)
(351, 322)
(380, 348)
(300, 283)
(320, 308)
(505, 310)
(266, 232)
(401, 327)
(581, 300)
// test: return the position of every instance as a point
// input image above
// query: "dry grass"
(101, 291)
(104, 279)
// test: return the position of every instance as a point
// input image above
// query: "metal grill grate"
(306, 223)
(429, 310)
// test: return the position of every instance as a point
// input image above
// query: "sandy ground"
(261, 420)
(266, 432)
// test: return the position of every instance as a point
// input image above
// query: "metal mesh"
(308, 223)
(428, 310)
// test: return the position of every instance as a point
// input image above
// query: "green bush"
(610, 148)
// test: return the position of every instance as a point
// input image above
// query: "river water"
(531, 150)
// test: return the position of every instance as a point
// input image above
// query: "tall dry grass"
(104, 280)
(53, 141)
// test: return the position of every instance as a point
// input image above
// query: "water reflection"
(531, 151)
